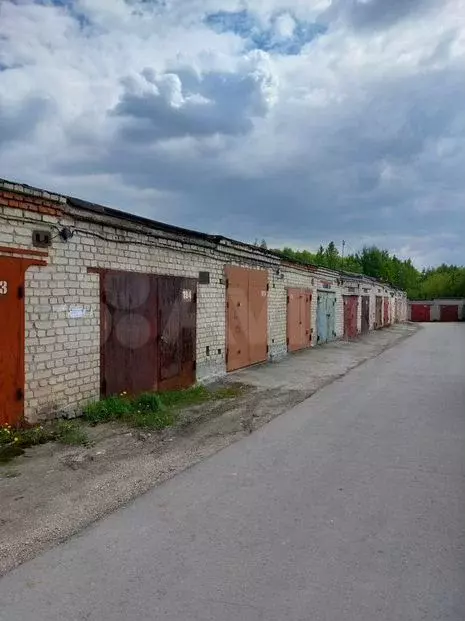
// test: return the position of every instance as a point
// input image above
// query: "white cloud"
(363, 131)
(284, 26)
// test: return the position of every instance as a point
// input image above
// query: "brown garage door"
(298, 319)
(147, 332)
(246, 317)
(177, 328)
(350, 316)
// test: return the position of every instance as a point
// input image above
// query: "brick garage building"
(94, 300)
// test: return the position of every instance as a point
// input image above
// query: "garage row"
(96, 302)
(170, 310)
(445, 309)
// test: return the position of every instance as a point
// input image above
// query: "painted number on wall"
(3, 287)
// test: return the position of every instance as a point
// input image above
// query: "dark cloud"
(369, 166)
(363, 140)
(19, 121)
(179, 104)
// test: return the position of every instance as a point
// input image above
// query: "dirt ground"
(52, 491)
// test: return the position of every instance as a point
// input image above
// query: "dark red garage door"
(420, 312)
(449, 312)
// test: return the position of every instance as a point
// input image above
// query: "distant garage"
(448, 312)
(443, 309)
(420, 312)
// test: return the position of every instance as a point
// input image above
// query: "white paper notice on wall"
(187, 295)
(76, 312)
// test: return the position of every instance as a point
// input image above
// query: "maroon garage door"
(350, 316)
(449, 312)
(147, 332)
(420, 312)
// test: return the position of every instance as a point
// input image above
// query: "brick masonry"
(62, 356)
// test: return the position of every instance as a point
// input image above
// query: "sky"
(296, 121)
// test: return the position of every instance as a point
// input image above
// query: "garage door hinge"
(288, 299)
(267, 349)
(267, 286)
(227, 356)
(287, 341)
(194, 365)
(20, 292)
(103, 386)
(227, 283)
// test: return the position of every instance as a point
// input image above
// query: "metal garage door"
(325, 319)
(379, 312)
(420, 312)
(350, 316)
(298, 319)
(449, 312)
(12, 322)
(147, 332)
(177, 314)
(386, 319)
(246, 317)
(365, 314)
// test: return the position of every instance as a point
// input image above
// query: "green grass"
(13, 441)
(152, 410)
(70, 432)
(148, 411)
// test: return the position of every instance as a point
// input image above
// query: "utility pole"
(342, 254)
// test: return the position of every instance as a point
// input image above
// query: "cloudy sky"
(297, 121)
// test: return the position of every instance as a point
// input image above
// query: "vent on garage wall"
(41, 239)
(204, 278)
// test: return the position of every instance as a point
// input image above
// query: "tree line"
(442, 281)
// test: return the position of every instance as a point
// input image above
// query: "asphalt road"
(351, 507)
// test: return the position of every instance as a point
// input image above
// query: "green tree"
(442, 281)
(332, 256)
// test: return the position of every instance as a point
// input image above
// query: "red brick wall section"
(18, 196)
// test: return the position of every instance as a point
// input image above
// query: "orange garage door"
(246, 317)
(298, 319)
